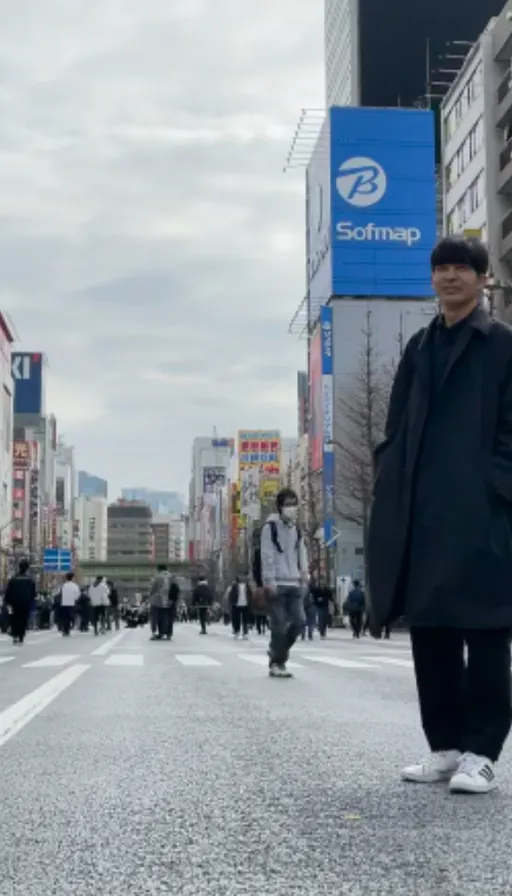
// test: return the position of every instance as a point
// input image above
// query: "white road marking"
(15, 717)
(263, 660)
(389, 660)
(107, 646)
(337, 661)
(52, 661)
(199, 659)
(125, 659)
(6, 659)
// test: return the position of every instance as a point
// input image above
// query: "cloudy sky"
(149, 242)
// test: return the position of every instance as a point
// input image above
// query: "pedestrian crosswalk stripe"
(337, 661)
(52, 661)
(263, 660)
(389, 661)
(125, 659)
(196, 659)
(6, 659)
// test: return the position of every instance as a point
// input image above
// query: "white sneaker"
(438, 767)
(276, 671)
(475, 774)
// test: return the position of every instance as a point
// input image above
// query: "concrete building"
(6, 436)
(129, 534)
(90, 486)
(90, 529)
(64, 494)
(169, 538)
(476, 129)
(211, 461)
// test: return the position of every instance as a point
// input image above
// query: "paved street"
(133, 768)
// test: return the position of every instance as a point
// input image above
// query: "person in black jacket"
(202, 600)
(20, 596)
(174, 596)
(113, 597)
(440, 534)
(322, 597)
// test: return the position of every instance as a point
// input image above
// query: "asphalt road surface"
(131, 768)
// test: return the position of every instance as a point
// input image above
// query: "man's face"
(457, 285)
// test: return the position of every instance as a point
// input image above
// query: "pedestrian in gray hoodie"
(159, 603)
(284, 568)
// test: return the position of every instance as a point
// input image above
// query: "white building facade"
(341, 53)
(64, 494)
(90, 518)
(6, 433)
(476, 126)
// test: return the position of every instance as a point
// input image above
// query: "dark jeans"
(287, 618)
(203, 618)
(19, 623)
(356, 622)
(161, 622)
(66, 615)
(240, 619)
(309, 624)
(98, 618)
(464, 706)
(323, 620)
(261, 624)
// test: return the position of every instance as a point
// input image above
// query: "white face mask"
(290, 513)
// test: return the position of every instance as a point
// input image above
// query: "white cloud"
(149, 242)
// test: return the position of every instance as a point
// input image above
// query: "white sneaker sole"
(439, 778)
(459, 784)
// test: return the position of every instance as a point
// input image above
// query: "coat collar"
(479, 319)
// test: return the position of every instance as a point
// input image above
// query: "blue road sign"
(57, 560)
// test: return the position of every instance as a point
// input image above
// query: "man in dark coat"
(440, 539)
(20, 596)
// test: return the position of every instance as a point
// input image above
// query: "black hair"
(461, 250)
(162, 567)
(286, 494)
(70, 576)
(23, 566)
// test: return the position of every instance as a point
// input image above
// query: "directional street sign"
(57, 560)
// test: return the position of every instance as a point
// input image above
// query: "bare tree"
(361, 412)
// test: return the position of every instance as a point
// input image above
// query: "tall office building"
(129, 535)
(160, 501)
(90, 486)
(90, 518)
(376, 52)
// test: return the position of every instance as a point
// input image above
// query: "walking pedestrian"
(98, 595)
(440, 539)
(202, 599)
(354, 607)
(322, 597)
(284, 568)
(69, 594)
(239, 599)
(20, 596)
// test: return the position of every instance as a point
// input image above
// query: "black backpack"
(256, 560)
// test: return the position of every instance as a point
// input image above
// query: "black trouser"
(322, 620)
(65, 619)
(464, 707)
(356, 622)
(19, 623)
(240, 619)
(203, 617)
(98, 617)
(261, 624)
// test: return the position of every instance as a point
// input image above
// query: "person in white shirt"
(70, 592)
(239, 598)
(98, 595)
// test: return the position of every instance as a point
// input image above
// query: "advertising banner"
(315, 401)
(302, 402)
(21, 456)
(250, 493)
(327, 420)
(318, 225)
(260, 449)
(269, 489)
(28, 382)
(213, 479)
(383, 201)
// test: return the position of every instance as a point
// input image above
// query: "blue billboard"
(383, 201)
(328, 420)
(28, 382)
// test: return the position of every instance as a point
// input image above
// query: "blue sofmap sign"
(383, 201)
(371, 206)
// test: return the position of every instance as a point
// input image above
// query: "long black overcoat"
(440, 534)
